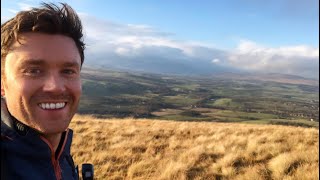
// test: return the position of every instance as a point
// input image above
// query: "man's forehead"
(23, 61)
(66, 63)
(38, 46)
(35, 38)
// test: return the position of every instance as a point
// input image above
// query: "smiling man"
(41, 58)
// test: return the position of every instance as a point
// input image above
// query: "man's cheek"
(78, 89)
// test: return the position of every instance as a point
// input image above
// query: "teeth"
(52, 105)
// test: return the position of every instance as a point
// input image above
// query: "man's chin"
(52, 123)
(52, 129)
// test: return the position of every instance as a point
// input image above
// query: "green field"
(109, 93)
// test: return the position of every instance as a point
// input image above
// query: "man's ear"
(2, 88)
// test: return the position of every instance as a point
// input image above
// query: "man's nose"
(54, 83)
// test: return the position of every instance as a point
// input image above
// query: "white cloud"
(122, 51)
(4, 19)
(13, 11)
(299, 60)
(215, 61)
(25, 6)
(115, 43)
(10, 13)
(127, 37)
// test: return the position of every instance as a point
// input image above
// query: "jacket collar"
(12, 122)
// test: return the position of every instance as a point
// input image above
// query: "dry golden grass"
(154, 149)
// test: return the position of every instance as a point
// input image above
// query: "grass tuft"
(164, 150)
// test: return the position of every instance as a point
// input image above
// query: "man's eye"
(32, 71)
(69, 71)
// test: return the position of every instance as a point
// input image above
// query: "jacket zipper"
(54, 161)
(56, 166)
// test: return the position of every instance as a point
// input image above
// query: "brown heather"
(165, 150)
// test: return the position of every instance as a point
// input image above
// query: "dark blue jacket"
(25, 154)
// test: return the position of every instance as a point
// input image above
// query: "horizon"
(192, 37)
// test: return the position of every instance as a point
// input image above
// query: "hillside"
(266, 99)
(158, 149)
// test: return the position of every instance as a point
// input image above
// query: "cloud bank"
(298, 60)
(141, 47)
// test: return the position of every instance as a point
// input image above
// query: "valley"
(220, 98)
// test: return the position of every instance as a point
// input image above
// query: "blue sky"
(277, 36)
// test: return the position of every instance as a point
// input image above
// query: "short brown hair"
(49, 19)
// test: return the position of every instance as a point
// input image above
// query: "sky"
(167, 36)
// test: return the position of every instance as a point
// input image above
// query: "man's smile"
(47, 106)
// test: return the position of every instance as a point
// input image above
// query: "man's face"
(41, 81)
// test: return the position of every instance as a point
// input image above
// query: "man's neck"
(54, 139)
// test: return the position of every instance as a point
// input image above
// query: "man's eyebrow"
(71, 64)
(42, 62)
(32, 62)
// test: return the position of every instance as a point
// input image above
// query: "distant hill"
(272, 77)
(268, 99)
(237, 75)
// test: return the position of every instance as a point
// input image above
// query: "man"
(41, 58)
